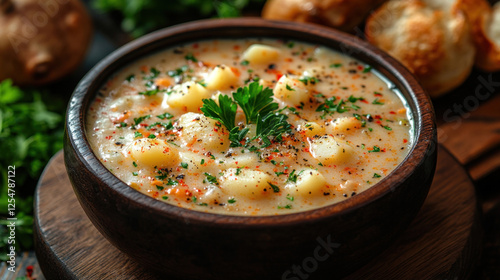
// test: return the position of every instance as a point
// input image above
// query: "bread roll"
(340, 14)
(485, 22)
(432, 38)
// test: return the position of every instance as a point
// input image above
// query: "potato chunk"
(221, 78)
(330, 151)
(292, 91)
(346, 125)
(309, 182)
(201, 132)
(153, 153)
(261, 54)
(188, 96)
(248, 183)
(310, 129)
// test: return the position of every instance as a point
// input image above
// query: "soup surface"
(249, 127)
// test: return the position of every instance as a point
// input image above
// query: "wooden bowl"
(324, 243)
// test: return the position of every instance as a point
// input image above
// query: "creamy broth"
(344, 128)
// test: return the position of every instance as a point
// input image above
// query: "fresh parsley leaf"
(255, 100)
(165, 116)
(225, 112)
(191, 57)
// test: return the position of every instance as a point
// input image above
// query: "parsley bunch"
(29, 135)
(257, 105)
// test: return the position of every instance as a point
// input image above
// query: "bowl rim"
(423, 116)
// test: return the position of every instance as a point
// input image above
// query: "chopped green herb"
(137, 134)
(134, 164)
(289, 197)
(376, 102)
(375, 175)
(245, 62)
(172, 182)
(290, 44)
(130, 78)
(274, 187)
(184, 165)
(306, 80)
(164, 197)
(231, 201)
(140, 119)
(152, 136)
(336, 65)
(367, 69)
(202, 161)
(211, 179)
(191, 57)
(150, 92)
(370, 129)
(135, 173)
(289, 88)
(376, 149)
(160, 188)
(122, 124)
(238, 170)
(388, 128)
(288, 206)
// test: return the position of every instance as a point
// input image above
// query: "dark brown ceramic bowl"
(324, 243)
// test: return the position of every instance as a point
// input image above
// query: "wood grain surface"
(443, 242)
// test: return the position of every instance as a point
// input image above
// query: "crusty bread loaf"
(340, 14)
(432, 38)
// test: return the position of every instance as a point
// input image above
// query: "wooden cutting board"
(443, 242)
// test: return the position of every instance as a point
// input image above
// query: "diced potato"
(153, 153)
(292, 91)
(243, 160)
(221, 78)
(309, 182)
(346, 125)
(261, 54)
(248, 183)
(188, 96)
(330, 151)
(310, 128)
(201, 132)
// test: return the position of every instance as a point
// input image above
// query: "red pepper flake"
(195, 45)
(29, 271)
(364, 101)
(109, 137)
(392, 113)
(377, 117)
(236, 47)
(405, 140)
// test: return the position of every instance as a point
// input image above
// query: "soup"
(249, 127)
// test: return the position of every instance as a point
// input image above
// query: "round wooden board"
(443, 242)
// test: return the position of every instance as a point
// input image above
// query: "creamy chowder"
(249, 127)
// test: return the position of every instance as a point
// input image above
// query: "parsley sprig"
(257, 105)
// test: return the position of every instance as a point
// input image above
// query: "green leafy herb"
(255, 100)
(289, 88)
(152, 136)
(367, 69)
(306, 80)
(245, 62)
(184, 165)
(137, 134)
(164, 197)
(140, 119)
(288, 206)
(190, 57)
(375, 175)
(289, 197)
(160, 188)
(225, 112)
(335, 65)
(388, 128)
(171, 182)
(134, 164)
(376, 102)
(376, 149)
(238, 171)
(130, 78)
(231, 201)
(274, 187)
(211, 179)
(165, 116)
